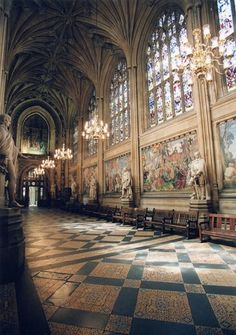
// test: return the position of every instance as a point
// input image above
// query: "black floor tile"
(190, 276)
(104, 281)
(155, 327)
(98, 238)
(135, 272)
(162, 263)
(80, 318)
(114, 260)
(201, 309)
(127, 239)
(88, 245)
(131, 233)
(210, 266)
(183, 257)
(162, 286)
(126, 301)
(87, 268)
(225, 290)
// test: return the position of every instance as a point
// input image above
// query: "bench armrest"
(204, 225)
(191, 223)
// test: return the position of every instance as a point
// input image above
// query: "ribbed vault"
(58, 50)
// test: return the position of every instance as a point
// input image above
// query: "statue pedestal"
(2, 190)
(125, 202)
(92, 202)
(202, 206)
(12, 244)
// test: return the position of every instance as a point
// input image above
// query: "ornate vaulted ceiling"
(58, 50)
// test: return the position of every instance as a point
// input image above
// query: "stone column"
(134, 136)
(12, 245)
(80, 159)
(4, 12)
(100, 152)
(203, 111)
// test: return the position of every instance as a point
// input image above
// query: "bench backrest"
(160, 214)
(182, 218)
(223, 221)
(149, 214)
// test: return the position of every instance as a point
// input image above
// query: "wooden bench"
(106, 212)
(182, 221)
(218, 225)
(118, 214)
(91, 210)
(147, 222)
(135, 217)
(155, 218)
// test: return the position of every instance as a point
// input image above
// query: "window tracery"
(92, 143)
(119, 104)
(227, 25)
(168, 95)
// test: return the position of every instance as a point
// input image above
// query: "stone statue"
(53, 191)
(9, 154)
(230, 173)
(198, 177)
(126, 181)
(93, 188)
(73, 187)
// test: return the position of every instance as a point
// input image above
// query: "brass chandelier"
(63, 153)
(95, 129)
(202, 58)
(48, 163)
(39, 171)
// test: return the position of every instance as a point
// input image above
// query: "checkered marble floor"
(96, 277)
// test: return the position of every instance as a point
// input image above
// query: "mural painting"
(165, 165)
(227, 132)
(113, 173)
(34, 136)
(88, 173)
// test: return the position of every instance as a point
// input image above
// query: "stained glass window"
(168, 93)
(227, 23)
(91, 143)
(119, 104)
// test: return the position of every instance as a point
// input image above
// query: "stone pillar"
(100, 153)
(201, 95)
(80, 159)
(134, 128)
(4, 12)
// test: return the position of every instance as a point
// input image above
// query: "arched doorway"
(34, 190)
